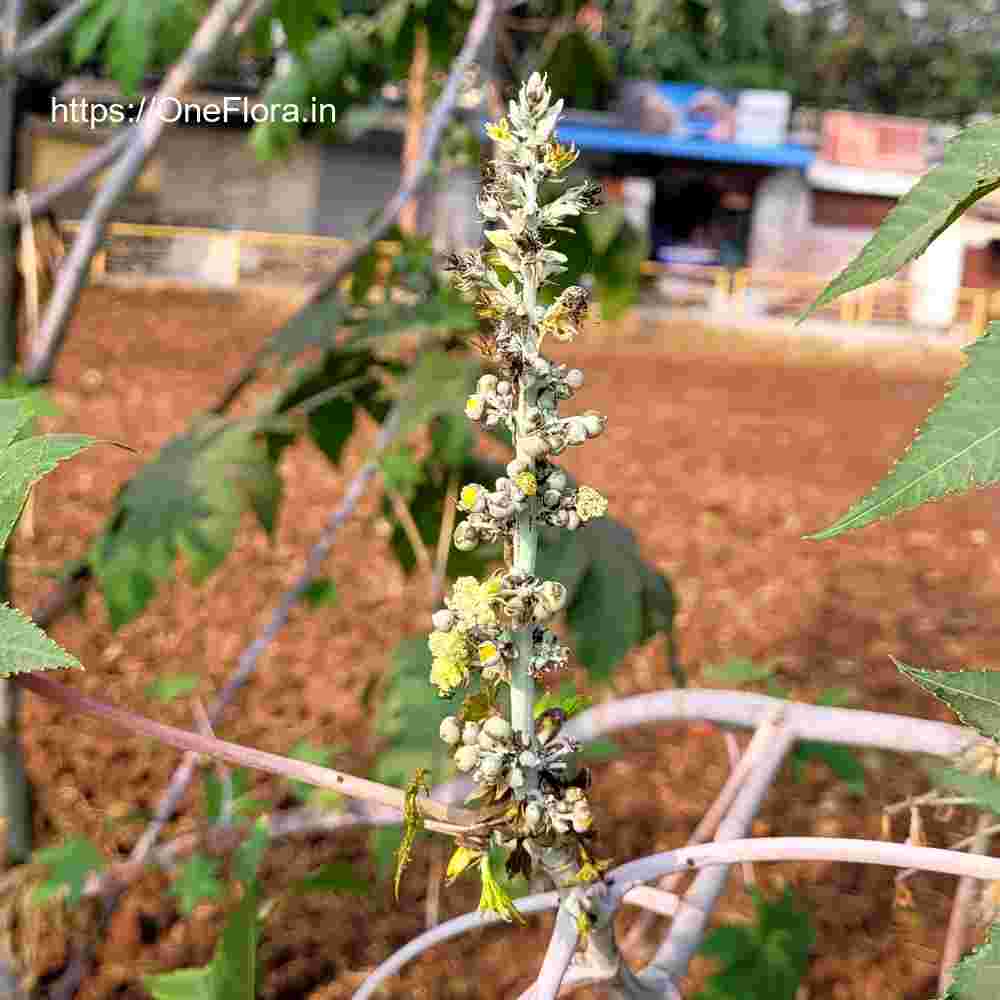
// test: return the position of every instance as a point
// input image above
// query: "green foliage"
(225, 799)
(607, 581)
(977, 975)
(189, 500)
(196, 881)
(969, 171)
(24, 459)
(313, 754)
(69, 865)
(974, 696)
(842, 761)
(408, 718)
(765, 960)
(567, 698)
(740, 671)
(954, 450)
(982, 789)
(413, 824)
(233, 973)
(170, 687)
(25, 647)
(321, 593)
(335, 876)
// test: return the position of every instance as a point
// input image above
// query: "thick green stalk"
(522, 684)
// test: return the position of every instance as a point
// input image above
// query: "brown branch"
(440, 817)
(45, 37)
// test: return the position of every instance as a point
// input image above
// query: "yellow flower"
(489, 654)
(559, 157)
(526, 483)
(474, 407)
(449, 646)
(469, 496)
(499, 131)
(446, 675)
(474, 602)
(590, 503)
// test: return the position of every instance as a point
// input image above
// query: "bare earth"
(720, 453)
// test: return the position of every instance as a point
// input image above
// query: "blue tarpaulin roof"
(619, 140)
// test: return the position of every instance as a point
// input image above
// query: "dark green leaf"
(741, 671)
(189, 499)
(196, 881)
(955, 449)
(765, 960)
(842, 761)
(248, 856)
(969, 171)
(170, 687)
(977, 975)
(974, 696)
(69, 865)
(336, 876)
(25, 647)
(321, 593)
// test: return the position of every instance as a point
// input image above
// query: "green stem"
(522, 684)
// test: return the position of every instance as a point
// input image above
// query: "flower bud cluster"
(559, 815)
(492, 402)
(473, 632)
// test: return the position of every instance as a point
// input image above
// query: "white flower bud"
(466, 758)
(491, 766)
(572, 520)
(516, 778)
(528, 759)
(574, 378)
(450, 730)
(470, 734)
(487, 384)
(594, 423)
(504, 388)
(553, 594)
(486, 742)
(551, 498)
(573, 794)
(557, 480)
(576, 430)
(465, 537)
(516, 466)
(443, 620)
(499, 728)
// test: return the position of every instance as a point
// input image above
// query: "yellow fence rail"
(229, 258)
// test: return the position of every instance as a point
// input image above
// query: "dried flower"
(590, 503)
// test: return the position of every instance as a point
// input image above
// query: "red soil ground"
(721, 452)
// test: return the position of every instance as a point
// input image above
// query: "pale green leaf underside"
(956, 449)
(970, 170)
(25, 647)
(977, 975)
(973, 695)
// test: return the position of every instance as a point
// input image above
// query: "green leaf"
(842, 761)
(248, 856)
(170, 687)
(983, 788)
(335, 876)
(131, 43)
(91, 28)
(196, 881)
(215, 791)
(384, 843)
(439, 383)
(26, 460)
(69, 865)
(183, 984)
(190, 499)
(25, 647)
(232, 974)
(363, 278)
(598, 750)
(973, 695)
(567, 698)
(955, 449)
(742, 671)
(321, 593)
(970, 170)
(977, 975)
(765, 960)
